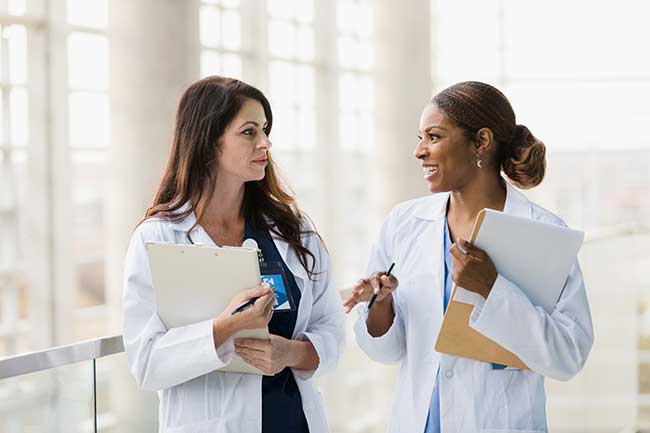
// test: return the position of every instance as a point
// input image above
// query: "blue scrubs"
(281, 402)
(433, 419)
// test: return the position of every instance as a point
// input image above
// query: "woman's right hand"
(256, 316)
(367, 287)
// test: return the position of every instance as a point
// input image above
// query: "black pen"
(374, 296)
(245, 305)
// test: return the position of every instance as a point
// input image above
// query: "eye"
(419, 137)
(434, 137)
(249, 132)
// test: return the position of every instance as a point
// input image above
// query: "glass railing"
(59, 389)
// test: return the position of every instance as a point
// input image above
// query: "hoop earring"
(479, 163)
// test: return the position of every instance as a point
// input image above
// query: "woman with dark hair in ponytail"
(220, 186)
(468, 137)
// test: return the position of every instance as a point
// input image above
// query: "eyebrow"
(430, 127)
(253, 122)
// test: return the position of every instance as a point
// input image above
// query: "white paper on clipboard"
(195, 283)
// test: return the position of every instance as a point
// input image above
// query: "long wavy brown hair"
(205, 110)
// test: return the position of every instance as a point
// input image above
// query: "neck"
(224, 207)
(485, 191)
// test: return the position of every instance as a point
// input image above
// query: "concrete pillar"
(154, 56)
(402, 88)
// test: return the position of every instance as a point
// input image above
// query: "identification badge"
(273, 275)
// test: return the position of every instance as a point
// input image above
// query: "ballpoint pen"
(374, 296)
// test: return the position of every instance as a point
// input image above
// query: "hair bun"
(526, 165)
(521, 135)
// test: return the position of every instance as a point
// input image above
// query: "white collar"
(435, 207)
(184, 224)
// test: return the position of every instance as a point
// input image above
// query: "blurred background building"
(88, 90)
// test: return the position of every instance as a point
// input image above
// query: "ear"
(484, 142)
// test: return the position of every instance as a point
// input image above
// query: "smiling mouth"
(429, 170)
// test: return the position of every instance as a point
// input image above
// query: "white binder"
(196, 282)
(535, 256)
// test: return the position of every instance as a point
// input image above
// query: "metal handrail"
(53, 357)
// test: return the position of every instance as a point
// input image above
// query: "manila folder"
(535, 256)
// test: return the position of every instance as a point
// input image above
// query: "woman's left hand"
(472, 270)
(271, 356)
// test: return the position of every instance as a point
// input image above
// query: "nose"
(265, 143)
(420, 150)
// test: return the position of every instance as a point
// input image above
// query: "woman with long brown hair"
(467, 138)
(221, 186)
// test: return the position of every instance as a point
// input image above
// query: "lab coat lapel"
(290, 259)
(300, 275)
(516, 203)
(198, 235)
(436, 260)
(430, 243)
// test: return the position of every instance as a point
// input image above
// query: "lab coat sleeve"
(555, 345)
(390, 347)
(326, 326)
(158, 357)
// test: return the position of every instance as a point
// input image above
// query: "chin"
(435, 187)
(259, 176)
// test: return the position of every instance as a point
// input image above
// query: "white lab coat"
(473, 396)
(179, 363)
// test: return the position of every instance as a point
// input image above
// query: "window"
(356, 131)
(14, 174)
(293, 76)
(88, 139)
(54, 136)
(51, 190)
(221, 38)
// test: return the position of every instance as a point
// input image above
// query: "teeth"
(430, 169)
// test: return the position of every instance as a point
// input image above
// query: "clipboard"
(535, 256)
(196, 282)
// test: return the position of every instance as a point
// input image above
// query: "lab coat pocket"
(501, 367)
(314, 408)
